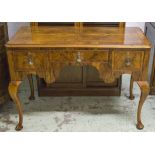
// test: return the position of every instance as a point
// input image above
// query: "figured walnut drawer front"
(27, 61)
(80, 56)
(128, 60)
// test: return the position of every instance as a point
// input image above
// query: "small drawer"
(128, 60)
(28, 61)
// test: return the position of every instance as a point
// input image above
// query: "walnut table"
(45, 51)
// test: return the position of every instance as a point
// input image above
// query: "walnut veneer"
(112, 51)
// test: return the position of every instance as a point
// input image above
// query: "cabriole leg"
(131, 97)
(13, 90)
(144, 87)
(30, 78)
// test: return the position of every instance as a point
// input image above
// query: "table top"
(65, 36)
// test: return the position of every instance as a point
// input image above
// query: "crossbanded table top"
(87, 37)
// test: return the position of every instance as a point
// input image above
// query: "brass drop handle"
(30, 61)
(79, 60)
(128, 62)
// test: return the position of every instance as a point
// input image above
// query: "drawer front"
(28, 61)
(128, 60)
(80, 56)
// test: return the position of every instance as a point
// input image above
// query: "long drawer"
(79, 56)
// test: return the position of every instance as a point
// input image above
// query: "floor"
(77, 114)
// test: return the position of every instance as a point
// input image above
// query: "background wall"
(14, 26)
(136, 24)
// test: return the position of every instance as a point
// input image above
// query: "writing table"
(112, 51)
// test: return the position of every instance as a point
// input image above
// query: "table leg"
(131, 97)
(30, 78)
(144, 86)
(13, 90)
